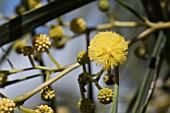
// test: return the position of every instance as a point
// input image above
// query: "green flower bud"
(56, 32)
(27, 50)
(84, 79)
(85, 105)
(109, 79)
(78, 25)
(104, 5)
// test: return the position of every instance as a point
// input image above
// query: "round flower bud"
(84, 78)
(44, 109)
(3, 77)
(18, 45)
(78, 25)
(141, 52)
(56, 32)
(47, 94)
(104, 5)
(85, 105)
(83, 58)
(20, 9)
(7, 106)
(27, 50)
(105, 96)
(109, 79)
(41, 42)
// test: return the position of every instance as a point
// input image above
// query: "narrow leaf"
(27, 22)
(149, 76)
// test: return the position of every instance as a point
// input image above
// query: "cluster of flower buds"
(7, 106)
(85, 105)
(44, 109)
(47, 94)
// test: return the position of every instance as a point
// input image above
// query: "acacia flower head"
(108, 49)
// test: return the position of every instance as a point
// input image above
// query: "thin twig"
(114, 108)
(26, 96)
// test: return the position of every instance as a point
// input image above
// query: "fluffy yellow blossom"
(108, 49)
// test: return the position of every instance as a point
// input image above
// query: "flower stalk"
(116, 92)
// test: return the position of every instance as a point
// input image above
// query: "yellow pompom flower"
(108, 49)
(7, 106)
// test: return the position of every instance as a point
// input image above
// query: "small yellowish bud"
(18, 45)
(56, 32)
(104, 5)
(78, 25)
(41, 42)
(105, 96)
(44, 109)
(7, 106)
(27, 50)
(47, 94)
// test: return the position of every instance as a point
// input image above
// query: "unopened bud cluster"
(105, 96)
(109, 79)
(83, 58)
(78, 25)
(44, 109)
(7, 106)
(85, 105)
(56, 32)
(41, 42)
(27, 50)
(47, 94)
